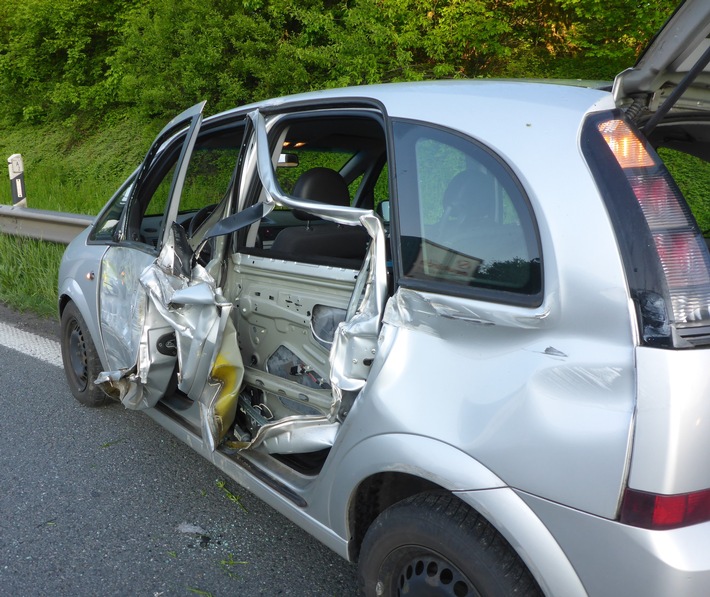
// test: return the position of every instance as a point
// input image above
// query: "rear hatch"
(667, 92)
(666, 95)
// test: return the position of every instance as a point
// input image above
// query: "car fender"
(455, 471)
(529, 537)
(79, 275)
(72, 291)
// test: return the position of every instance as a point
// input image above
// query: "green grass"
(237, 499)
(74, 172)
(28, 274)
(68, 171)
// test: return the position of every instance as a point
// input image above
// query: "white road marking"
(36, 346)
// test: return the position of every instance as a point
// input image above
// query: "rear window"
(465, 224)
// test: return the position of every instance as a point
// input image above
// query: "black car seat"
(322, 238)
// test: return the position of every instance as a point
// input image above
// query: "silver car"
(458, 331)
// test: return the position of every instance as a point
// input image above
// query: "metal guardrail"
(42, 224)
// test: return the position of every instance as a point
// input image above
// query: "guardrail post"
(17, 180)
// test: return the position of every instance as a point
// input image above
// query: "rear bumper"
(614, 559)
(672, 435)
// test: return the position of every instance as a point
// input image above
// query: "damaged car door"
(162, 317)
(310, 303)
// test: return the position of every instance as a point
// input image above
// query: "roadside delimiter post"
(17, 180)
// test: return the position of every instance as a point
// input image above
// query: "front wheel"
(81, 361)
(433, 544)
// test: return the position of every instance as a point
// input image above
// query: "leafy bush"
(61, 59)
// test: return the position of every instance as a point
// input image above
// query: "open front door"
(140, 344)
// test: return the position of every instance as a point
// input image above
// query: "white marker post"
(17, 180)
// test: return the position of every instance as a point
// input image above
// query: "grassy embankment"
(77, 173)
(68, 171)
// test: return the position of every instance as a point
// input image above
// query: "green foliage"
(53, 56)
(60, 59)
(693, 177)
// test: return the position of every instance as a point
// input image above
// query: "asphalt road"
(104, 502)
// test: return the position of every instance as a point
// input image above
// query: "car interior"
(292, 281)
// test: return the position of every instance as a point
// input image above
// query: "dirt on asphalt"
(29, 322)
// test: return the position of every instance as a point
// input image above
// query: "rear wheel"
(81, 361)
(434, 545)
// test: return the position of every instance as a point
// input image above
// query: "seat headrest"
(471, 194)
(323, 185)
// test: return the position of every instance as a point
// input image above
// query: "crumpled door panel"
(125, 313)
(210, 368)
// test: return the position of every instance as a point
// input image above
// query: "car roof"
(533, 127)
(487, 109)
(414, 99)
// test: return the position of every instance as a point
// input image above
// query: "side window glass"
(105, 227)
(209, 174)
(464, 221)
(382, 187)
(158, 202)
(206, 181)
(155, 211)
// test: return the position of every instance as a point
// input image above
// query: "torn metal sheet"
(125, 314)
(354, 343)
(415, 310)
(296, 435)
(210, 368)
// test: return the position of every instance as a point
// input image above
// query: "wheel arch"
(380, 470)
(392, 468)
(70, 291)
(373, 496)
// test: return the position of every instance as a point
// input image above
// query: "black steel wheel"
(434, 545)
(81, 361)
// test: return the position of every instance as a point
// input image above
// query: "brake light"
(681, 249)
(664, 512)
(680, 252)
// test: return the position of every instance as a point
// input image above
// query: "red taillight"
(658, 201)
(664, 512)
(680, 254)
(681, 249)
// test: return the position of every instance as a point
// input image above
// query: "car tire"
(81, 361)
(433, 544)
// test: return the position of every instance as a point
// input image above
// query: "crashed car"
(459, 331)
